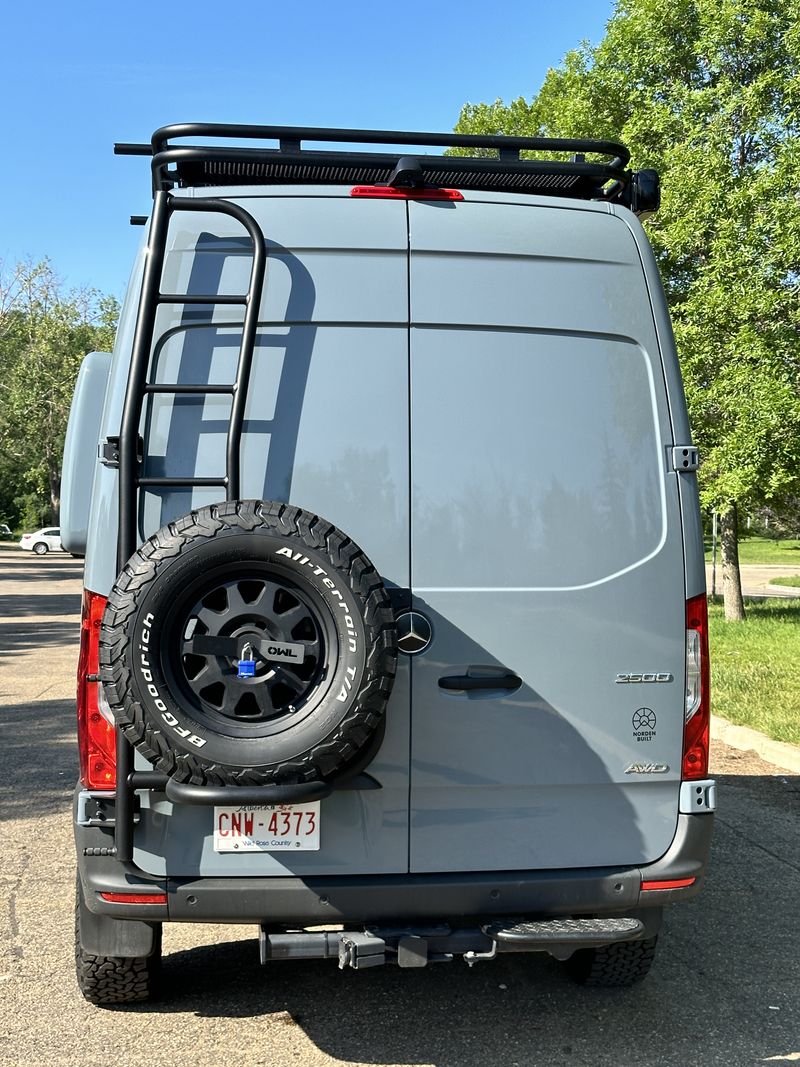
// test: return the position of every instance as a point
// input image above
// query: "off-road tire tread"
(620, 964)
(335, 750)
(113, 980)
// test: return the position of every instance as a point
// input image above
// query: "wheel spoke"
(263, 698)
(288, 677)
(210, 618)
(292, 616)
(233, 690)
(236, 604)
(212, 672)
(311, 646)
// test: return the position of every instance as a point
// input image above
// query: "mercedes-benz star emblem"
(414, 632)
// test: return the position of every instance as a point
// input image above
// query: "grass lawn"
(787, 579)
(755, 667)
(762, 550)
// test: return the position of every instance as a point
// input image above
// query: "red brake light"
(698, 707)
(389, 192)
(672, 883)
(135, 898)
(96, 735)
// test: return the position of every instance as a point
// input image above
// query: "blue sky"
(76, 77)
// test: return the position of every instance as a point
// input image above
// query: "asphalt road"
(724, 989)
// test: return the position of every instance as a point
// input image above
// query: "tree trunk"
(55, 496)
(731, 577)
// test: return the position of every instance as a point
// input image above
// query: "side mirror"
(80, 450)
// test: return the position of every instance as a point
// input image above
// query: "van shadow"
(38, 758)
(523, 1010)
(17, 606)
(33, 597)
(25, 635)
(43, 572)
(196, 425)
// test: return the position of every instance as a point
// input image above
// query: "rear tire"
(111, 980)
(614, 966)
(40, 548)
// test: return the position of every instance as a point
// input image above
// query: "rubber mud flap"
(249, 643)
(116, 962)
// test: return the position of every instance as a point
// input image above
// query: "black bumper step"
(526, 936)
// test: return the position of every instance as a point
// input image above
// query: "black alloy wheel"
(260, 616)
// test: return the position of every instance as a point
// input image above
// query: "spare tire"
(273, 587)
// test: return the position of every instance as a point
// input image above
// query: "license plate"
(267, 828)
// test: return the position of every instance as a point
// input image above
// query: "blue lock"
(247, 665)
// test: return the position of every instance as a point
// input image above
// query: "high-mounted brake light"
(698, 707)
(96, 737)
(135, 898)
(390, 192)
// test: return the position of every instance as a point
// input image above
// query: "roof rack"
(199, 165)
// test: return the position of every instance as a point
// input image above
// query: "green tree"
(708, 93)
(45, 331)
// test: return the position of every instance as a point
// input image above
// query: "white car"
(43, 541)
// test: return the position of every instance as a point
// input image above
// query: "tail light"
(698, 708)
(390, 192)
(657, 886)
(138, 898)
(96, 735)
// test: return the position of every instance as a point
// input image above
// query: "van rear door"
(326, 429)
(546, 544)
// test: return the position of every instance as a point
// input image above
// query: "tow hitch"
(352, 948)
(419, 946)
(359, 949)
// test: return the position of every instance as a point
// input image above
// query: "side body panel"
(80, 449)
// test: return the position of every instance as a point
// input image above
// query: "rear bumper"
(382, 898)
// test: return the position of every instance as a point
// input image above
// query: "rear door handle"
(460, 682)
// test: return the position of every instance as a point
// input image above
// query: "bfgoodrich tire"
(620, 964)
(249, 643)
(113, 980)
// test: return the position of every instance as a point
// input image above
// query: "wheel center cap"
(414, 632)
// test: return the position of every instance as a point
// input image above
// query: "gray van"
(394, 638)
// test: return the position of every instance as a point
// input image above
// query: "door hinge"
(108, 451)
(685, 458)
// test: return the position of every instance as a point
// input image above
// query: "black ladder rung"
(157, 387)
(195, 298)
(186, 483)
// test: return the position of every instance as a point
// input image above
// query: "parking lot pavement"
(756, 578)
(724, 989)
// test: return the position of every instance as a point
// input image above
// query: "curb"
(780, 754)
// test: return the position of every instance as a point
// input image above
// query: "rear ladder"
(130, 478)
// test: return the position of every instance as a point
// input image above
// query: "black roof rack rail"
(201, 165)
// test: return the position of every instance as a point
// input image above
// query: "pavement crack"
(756, 844)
